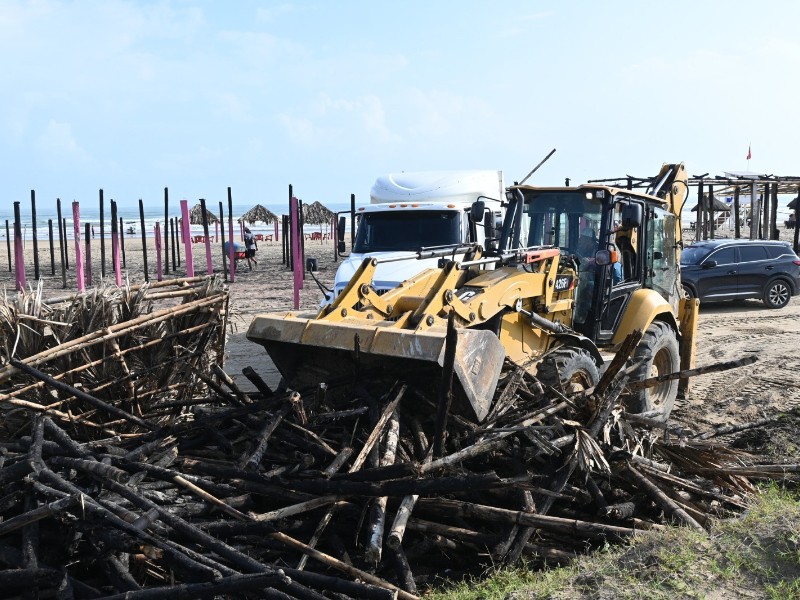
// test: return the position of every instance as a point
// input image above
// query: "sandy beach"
(727, 331)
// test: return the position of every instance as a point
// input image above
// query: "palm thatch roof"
(196, 215)
(259, 213)
(718, 205)
(317, 214)
(793, 203)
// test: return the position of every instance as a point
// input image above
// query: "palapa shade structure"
(258, 213)
(196, 215)
(793, 203)
(717, 206)
(317, 214)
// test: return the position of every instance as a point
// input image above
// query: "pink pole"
(296, 260)
(276, 231)
(19, 254)
(231, 249)
(187, 242)
(159, 271)
(76, 218)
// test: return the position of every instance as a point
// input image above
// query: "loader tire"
(568, 369)
(658, 354)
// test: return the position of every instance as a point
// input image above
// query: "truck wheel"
(658, 354)
(777, 294)
(569, 369)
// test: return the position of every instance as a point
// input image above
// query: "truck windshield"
(560, 218)
(411, 230)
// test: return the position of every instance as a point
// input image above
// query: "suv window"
(752, 253)
(723, 256)
(776, 251)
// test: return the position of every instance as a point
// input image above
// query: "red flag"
(749, 154)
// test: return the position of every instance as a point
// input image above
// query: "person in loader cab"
(586, 250)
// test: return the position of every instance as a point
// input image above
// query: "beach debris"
(360, 487)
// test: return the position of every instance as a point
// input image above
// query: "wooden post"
(52, 247)
(175, 262)
(205, 234)
(166, 230)
(66, 245)
(122, 242)
(222, 231)
(737, 221)
(298, 277)
(116, 227)
(302, 238)
(698, 235)
(19, 258)
(144, 240)
(445, 386)
(291, 233)
(231, 259)
(765, 232)
(159, 270)
(335, 238)
(773, 215)
(62, 244)
(36, 274)
(102, 235)
(216, 231)
(712, 221)
(185, 235)
(87, 233)
(276, 230)
(76, 225)
(283, 240)
(755, 211)
(8, 246)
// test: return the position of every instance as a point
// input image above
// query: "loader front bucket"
(308, 351)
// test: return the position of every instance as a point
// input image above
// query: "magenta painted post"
(187, 242)
(76, 223)
(19, 255)
(159, 270)
(231, 250)
(296, 260)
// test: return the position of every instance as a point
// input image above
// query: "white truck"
(410, 211)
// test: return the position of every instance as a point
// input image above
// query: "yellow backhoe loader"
(575, 270)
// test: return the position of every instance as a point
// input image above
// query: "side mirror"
(341, 248)
(340, 230)
(709, 264)
(602, 258)
(311, 265)
(631, 216)
(476, 211)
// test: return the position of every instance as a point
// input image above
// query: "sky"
(199, 96)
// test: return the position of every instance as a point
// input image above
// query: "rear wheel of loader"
(659, 354)
(568, 369)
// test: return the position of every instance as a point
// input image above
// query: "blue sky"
(133, 96)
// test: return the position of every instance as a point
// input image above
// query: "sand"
(727, 331)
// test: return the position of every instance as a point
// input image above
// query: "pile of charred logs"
(350, 489)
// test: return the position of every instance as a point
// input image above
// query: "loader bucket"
(308, 351)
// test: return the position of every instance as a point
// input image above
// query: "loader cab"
(618, 242)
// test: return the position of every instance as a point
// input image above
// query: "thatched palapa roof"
(259, 213)
(317, 214)
(196, 215)
(718, 205)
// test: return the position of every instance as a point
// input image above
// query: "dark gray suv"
(740, 269)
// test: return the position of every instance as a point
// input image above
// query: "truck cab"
(410, 211)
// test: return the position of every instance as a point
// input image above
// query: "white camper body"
(409, 211)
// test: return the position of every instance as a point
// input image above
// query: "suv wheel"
(777, 294)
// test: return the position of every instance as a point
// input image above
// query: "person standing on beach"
(250, 247)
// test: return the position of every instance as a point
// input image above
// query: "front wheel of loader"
(657, 354)
(569, 369)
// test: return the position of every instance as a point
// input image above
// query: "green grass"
(756, 555)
